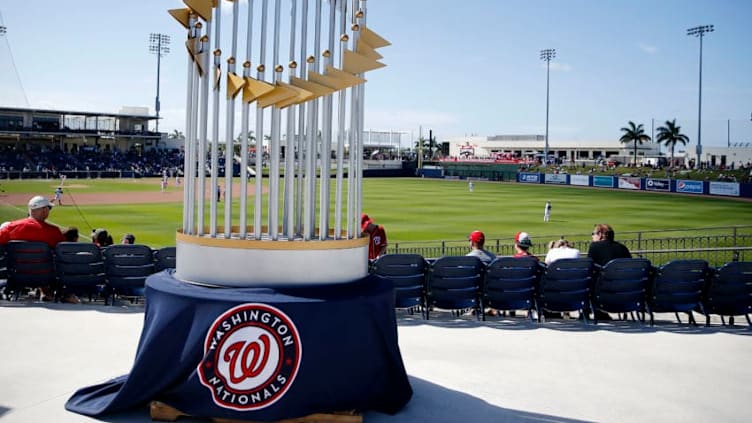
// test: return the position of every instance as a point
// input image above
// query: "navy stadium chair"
(621, 286)
(80, 268)
(454, 283)
(30, 265)
(677, 288)
(510, 283)
(164, 258)
(408, 274)
(127, 267)
(729, 292)
(565, 286)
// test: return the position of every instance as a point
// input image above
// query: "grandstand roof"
(76, 113)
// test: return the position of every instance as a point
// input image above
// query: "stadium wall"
(682, 186)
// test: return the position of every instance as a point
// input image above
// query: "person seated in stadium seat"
(477, 240)
(560, 249)
(101, 238)
(128, 239)
(522, 244)
(604, 248)
(376, 237)
(34, 228)
(71, 234)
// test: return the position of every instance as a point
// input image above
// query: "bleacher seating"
(729, 292)
(30, 265)
(127, 266)
(80, 269)
(455, 283)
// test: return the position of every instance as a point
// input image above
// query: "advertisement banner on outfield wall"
(724, 188)
(629, 182)
(583, 180)
(556, 178)
(531, 178)
(652, 184)
(689, 187)
(603, 181)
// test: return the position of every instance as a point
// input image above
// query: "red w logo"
(247, 359)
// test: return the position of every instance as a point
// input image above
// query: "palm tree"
(670, 135)
(635, 134)
(175, 134)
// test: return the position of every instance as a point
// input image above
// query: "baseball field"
(411, 209)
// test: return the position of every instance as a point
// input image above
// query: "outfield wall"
(682, 186)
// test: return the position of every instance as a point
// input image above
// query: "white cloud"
(557, 66)
(648, 49)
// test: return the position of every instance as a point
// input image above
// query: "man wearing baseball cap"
(34, 227)
(377, 237)
(477, 240)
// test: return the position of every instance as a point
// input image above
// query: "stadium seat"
(510, 283)
(677, 287)
(454, 283)
(30, 265)
(729, 292)
(164, 258)
(80, 268)
(408, 274)
(565, 286)
(126, 268)
(621, 286)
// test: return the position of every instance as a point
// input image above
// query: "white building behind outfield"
(521, 146)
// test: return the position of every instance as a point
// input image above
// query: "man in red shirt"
(34, 227)
(377, 237)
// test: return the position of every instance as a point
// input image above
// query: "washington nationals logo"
(251, 356)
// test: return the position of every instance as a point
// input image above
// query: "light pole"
(699, 31)
(158, 44)
(547, 55)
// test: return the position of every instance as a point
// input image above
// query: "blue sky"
(457, 67)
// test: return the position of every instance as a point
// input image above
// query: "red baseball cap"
(364, 221)
(476, 236)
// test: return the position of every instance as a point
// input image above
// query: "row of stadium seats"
(82, 269)
(634, 286)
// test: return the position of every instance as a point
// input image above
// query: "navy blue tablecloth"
(261, 353)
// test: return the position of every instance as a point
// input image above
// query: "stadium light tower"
(158, 44)
(547, 55)
(699, 31)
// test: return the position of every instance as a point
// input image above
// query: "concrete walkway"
(505, 370)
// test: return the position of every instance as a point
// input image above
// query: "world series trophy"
(277, 319)
(314, 106)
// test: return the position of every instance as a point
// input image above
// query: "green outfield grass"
(423, 210)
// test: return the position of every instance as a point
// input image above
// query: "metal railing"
(716, 245)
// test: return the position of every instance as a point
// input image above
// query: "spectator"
(128, 239)
(377, 237)
(477, 240)
(603, 248)
(101, 238)
(71, 234)
(34, 228)
(561, 249)
(522, 244)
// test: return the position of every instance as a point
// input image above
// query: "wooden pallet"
(160, 411)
